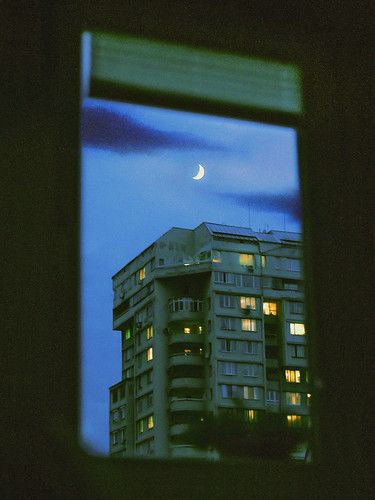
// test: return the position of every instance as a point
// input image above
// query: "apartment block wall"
(222, 305)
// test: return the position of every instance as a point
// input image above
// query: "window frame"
(328, 61)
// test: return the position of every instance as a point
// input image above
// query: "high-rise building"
(212, 320)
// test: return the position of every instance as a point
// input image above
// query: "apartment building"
(212, 320)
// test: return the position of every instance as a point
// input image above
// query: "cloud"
(287, 202)
(106, 128)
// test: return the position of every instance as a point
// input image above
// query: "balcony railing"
(186, 304)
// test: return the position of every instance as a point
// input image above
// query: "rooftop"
(269, 236)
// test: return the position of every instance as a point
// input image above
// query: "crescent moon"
(200, 173)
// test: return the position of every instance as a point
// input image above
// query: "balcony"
(186, 404)
(177, 337)
(182, 269)
(188, 451)
(185, 359)
(178, 429)
(185, 308)
(186, 383)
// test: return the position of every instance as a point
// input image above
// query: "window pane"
(186, 291)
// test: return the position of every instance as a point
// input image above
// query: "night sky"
(137, 169)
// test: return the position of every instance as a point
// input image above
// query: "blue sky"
(137, 182)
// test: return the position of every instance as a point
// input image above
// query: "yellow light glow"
(149, 332)
(187, 330)
(149, 354)
(293, 376)
(246, 259)
(294, 420)
(150, 422)
(248, 303)
(270, 308)
(297, 328)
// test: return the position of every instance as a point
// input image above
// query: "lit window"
(187, 351)
(248, 303)
(249, 325)
(294, 420)
(263, 260)
(216, 257)
(297, 329)
(308, 399)
(270, 308)
(272, 396)
(150, 422)
(293, 376)
(251, 392)
(200, 329)
(187, 330)
(141, 426)
(246, 259)
(128, 334)
(142, 274)
(149, 354)
(293, 398)
(149, 332)
(250, 415)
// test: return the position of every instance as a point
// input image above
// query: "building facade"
(212, 321)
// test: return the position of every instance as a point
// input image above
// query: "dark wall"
(41, 229)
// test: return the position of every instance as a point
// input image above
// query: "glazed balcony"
(186, 404)
(180, 372)
(191, 337)
(178, 429)
(186, 383)
(186, 359)
(185, 308)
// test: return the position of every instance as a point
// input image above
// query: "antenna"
(249, 214)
